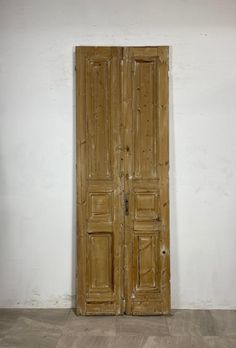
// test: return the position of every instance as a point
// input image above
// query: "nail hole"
(163, 252)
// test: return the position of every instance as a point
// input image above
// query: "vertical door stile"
(81, 183)
(122, 174)
(163, 135)
(126, 145)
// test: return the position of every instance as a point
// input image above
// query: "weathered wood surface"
(100, 214)
(122, 151)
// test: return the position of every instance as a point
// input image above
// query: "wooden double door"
(122, 181)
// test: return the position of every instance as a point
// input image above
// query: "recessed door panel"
(100, 256)
(144, 97)
(145, 261)
(98, 107)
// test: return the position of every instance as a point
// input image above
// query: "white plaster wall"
(37, 145)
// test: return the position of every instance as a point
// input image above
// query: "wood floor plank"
(130, 341)
(28, 333)
(232, 342)
(217, 342)
(191, 323)
(225, 322)
(86, 342)
(90, 325)
(199, 342)
(145, 326)
(144, 342)
(50, 316)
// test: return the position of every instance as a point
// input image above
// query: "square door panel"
(146, 206)
(100, 207)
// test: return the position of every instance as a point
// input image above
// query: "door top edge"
(148, 46)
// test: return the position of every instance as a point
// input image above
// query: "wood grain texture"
(100, 212)
(145, 109)
(122, 151)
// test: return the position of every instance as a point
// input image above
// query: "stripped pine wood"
(122, 179)
(100, 215)
(145, 99)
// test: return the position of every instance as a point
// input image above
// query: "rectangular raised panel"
(146, 262)
(152, 307)
(146, 206)
(144, 118)
(98, 111)
(151, 225)
(100, 262)
(100, 207)
(99, 227)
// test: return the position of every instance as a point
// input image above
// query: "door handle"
(126, 204)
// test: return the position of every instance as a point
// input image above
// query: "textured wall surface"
(37, 141)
